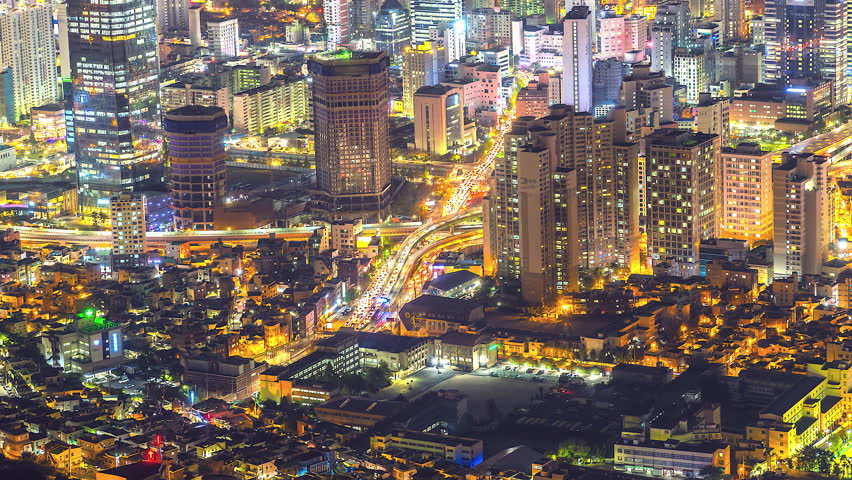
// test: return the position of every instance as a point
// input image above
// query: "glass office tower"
(115, 95)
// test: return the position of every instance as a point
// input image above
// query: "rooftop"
(437, 303)
(386, 342)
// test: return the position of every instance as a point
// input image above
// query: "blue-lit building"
(114, 66)
(393, 29)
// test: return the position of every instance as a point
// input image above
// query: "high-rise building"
(129, 230)
(420, 68)
(731, 15)
(746, 193)
(172, 15)
(336, 17)
(525, 212)
(196, 139)
(522, 8)
(635, 36)
(681, 190)
(223, 38)
(807, 40)
(691, 71)
(671, 30)
(612, 44)
(114, 97)
(714, 116)
(606, 83)
(566, 196)
(361, 16)
(282, 102)
(452, 37)
(28, 51)
(428, 15)
(577, 42)
(195, 26)
(480, 29)
(647, 89)
(438, 119)
(802, 214)
(179, 94)
(351, 108)
(393, 29)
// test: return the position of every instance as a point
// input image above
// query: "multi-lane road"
(103, 239)
(384, 293)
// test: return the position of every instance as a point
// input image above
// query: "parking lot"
(538, 375)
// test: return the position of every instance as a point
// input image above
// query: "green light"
(100, 321)
(89, 313)
(493, 347)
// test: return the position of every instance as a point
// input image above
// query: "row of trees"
(826, 462)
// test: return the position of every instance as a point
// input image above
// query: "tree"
(547, 363)
(573, 451)
(813, 459)
(711, 473)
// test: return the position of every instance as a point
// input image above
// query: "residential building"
(337, 20)
(577, 201)
(281, 104)
(28, 50)
(802, 217)
(129, 230)
(223, 38)
(747, 202)
(682, 207)
(344, 236)
(577, 42)
(172, 15)
(647, 89)
(690, 70)
(178, 94)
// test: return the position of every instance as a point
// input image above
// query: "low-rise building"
(461, 450)
(465, 351)
(431, 315)
(672, 458)
(231, 378)
(356, 412)
(403, 355)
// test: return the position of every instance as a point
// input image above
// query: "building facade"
(351, 108)
(746, 193)
(682, 197)
(114, 98)
(438, 119)
(28, 50)
(578, 38)
(129, 228)
(196, 139)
